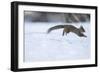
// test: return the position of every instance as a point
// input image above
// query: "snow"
(40, 46)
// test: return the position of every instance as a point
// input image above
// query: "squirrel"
(69, 28)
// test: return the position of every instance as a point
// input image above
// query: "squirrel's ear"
(82, 29)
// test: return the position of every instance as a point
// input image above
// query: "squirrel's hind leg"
(63, 33)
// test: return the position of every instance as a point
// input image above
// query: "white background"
(5, 36)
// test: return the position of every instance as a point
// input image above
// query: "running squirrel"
(69, 28)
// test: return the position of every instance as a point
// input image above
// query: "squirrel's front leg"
(63, 33)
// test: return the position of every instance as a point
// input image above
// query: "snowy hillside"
(40, 46)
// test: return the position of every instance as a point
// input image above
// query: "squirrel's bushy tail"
(55, 27)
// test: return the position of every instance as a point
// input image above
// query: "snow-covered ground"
(40, 46)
